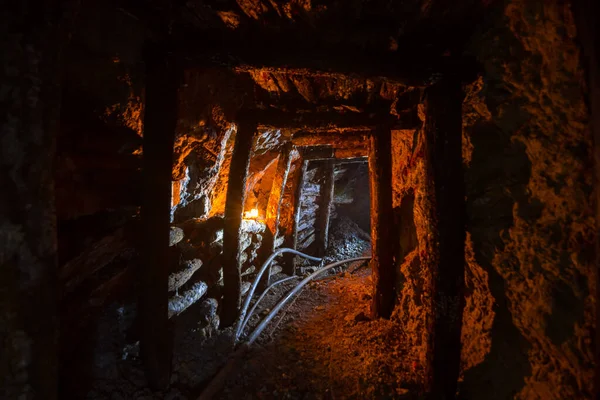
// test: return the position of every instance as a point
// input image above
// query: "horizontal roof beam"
(336, 140)
(331, 121)
(305, 53)
(310, 153)
(351, 153)
(353, 160)
(316, 153)
(275, 118)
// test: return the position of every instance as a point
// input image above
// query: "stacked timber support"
(163, 78)
(443, 138)
(382, 262)
(326, 200)
(234, 209)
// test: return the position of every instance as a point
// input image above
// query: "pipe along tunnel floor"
(321, 346)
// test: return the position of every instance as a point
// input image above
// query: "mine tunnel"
(264, 199)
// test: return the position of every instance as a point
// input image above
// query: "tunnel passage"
(334, 215)
(352, 193)
(153, 151)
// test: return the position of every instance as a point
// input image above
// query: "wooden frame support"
(324, 213)
(234, 210)
(443, 138)
(292, 242)
(354, 160)
(312, 153)
(382, 262)
(311, 120)
(160, 120)
(344, 145)
(274, 208)
(351, 153)
(306, 54)
(331, 139)
(29, 121)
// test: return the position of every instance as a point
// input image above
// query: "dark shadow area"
(497, 162)
(406, 229)
(352, 194)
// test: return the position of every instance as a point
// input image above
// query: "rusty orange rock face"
(527, 154)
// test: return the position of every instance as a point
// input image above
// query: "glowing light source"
(252, 214)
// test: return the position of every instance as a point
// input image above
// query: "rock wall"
(528, 170)
(97, 178)
(203, 143)
(97, 173)
(352, 194)
(411, 218)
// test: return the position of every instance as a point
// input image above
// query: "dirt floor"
(322, 345)
(326, 347)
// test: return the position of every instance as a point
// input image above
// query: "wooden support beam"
(310, 153)
(160, 120)
(326, 195)
(286, 217)
(333, 139)
(443, 142)
(354, 160)
(276, 195)
(292, 242)
(308, 119)
(346, 145)
(32, 55)
(274, 208)
(302, 53)
(234, 210)
(351, 153)
(382, 262)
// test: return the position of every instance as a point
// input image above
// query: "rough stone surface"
(527, 154)
(351, 194)
(30, 81)
(528, 320)
(175, 236)
(180, 277)
(414, 276)
(179, 303)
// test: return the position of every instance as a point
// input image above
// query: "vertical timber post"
(382, 262)
(160, 121)
(325, 209)
(274, 208)
(291, 260)
(295, 182)
(32, 55)
(443, 139)
(234, 210)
